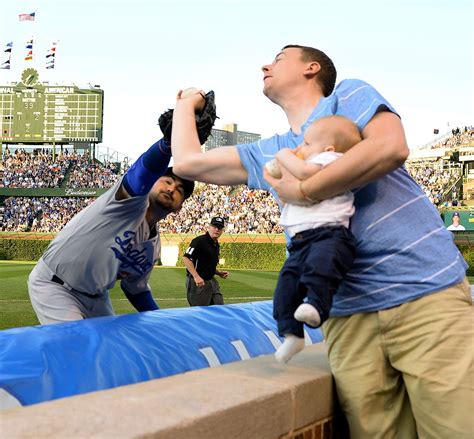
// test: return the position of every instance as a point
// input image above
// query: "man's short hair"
(327, 75)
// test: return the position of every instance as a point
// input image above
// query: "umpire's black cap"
(188, 185)
(218, 221)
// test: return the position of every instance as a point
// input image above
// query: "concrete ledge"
(257, 398)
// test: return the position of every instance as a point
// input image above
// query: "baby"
(322, 248)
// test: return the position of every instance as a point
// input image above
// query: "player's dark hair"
(327, 75)
(188, 185)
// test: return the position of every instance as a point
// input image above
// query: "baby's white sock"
(290, 347)
(308, 314)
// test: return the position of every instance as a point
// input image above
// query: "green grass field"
(167, 284)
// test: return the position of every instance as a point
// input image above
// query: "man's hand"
(199, 280)
(194, 96)
(287, 187)
(223, 274)
(203, 108)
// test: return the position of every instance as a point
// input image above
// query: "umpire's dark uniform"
(204, 253)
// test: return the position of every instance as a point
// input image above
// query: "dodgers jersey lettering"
(399, 233)
(107, 240)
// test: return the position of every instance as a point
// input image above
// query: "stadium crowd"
(260, 215)
(435, 178)
(457, 137)
(93, 174)
(39, 169)
(39, 214)
(43, 169)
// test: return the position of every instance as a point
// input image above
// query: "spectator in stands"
(201, 259)
(456, 223)
(389, 344)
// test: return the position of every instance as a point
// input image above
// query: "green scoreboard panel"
(33, 112)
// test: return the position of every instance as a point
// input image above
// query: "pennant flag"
(51, 55)
(29, 46)
(52, 52)
(27, 17)
(8, 49)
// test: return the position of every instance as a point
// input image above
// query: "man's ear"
(312, 68)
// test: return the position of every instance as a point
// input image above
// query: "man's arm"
(218, 166)
(383, 149)
(190, 267)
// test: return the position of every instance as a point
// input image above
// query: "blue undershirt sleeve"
(148, 168)
(142, 301)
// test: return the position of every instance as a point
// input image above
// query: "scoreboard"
(38, 113)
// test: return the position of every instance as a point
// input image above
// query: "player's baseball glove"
(204, 120)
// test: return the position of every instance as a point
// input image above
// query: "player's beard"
(161, 203)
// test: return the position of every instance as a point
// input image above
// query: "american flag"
(27, 17)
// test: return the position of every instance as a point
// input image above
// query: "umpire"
(201, 259)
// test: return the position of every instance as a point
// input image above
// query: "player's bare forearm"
(218, 166)
(382, 150)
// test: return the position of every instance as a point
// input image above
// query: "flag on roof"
(5, 65)
(29, 44)
(52, 51)
(8, 47)
(29, 56)
(27, 17)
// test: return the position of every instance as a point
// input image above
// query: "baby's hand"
(298, 152)
(283, 154)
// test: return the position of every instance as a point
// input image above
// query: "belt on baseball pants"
(61, 282)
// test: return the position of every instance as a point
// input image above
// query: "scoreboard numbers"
(33, 112)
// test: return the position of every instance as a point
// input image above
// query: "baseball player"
(201, 259)
(115, 238)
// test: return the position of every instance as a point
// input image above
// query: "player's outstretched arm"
(146, 170)
(218, 166)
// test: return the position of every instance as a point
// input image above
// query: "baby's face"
(311, 145)
(307, 150)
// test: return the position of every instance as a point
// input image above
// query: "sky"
(419, 54)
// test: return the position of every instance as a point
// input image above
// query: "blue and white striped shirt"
(403, 248)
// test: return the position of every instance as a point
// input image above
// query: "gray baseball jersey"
(106, 241)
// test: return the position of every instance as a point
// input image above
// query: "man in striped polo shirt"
(400, 329)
